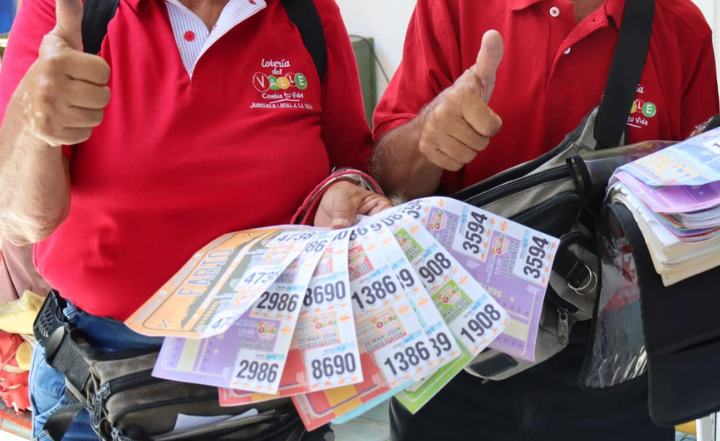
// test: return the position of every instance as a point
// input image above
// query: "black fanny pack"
(126, 403)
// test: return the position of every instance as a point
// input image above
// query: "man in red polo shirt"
(455, 114)
(219, 121)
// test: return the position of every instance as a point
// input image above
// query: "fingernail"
(339, 223)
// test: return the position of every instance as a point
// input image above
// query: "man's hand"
(458, 123)
(65, 91)
(344, 201)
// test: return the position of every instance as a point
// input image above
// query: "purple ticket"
(512, 262)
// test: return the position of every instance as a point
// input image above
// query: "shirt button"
(189, 35)
(554, 12)
(567, 51)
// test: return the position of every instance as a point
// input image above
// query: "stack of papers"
(675, 197)
(342, 320)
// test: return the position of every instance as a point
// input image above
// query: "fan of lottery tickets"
(342, 320)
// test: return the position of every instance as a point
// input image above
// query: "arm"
(433, 116)
(447, 134)
(36, 196)
(59, 99)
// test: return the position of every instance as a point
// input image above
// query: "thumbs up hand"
(458, 123)
(65, 91)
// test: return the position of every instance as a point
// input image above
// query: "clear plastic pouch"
(617, 351)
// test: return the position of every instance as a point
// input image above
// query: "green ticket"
(414, 398)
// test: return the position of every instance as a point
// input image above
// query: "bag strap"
(96, 17)
(303, 13)
(60, 421)
(625, 72)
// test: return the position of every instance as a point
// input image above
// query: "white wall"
(711, 9)
(384, 20)
(387, 20)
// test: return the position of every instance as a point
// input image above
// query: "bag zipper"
(116, 432)
(554, 174)
(520, 170)
(549, 212)
(563, 327)
(173, 402)
(122, 384)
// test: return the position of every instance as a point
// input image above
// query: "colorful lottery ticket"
(189, 301)
(256, 345)
(512, 262)
(443, 344)
(261, 266)
(380, 324)
(269, 325)
(474, 318)
(324, 352)
(416, 396)
(387, 326)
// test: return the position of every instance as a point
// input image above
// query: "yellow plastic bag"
(18, 316)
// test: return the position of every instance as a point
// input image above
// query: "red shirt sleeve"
(700, 100)
(431, 63)
(345, 131)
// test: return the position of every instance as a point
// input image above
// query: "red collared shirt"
(179, 161)
(553, 73)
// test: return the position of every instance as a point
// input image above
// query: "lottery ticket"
(474, 318)
(512, 262)
(443, 344)
(185, 305)
(319, 408)
(261, 266)
(324, 352)
(256, 346)
(381, 327)
(416, 396)
(268, 327)
(387, 326)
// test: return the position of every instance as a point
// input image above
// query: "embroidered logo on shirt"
(279, 87)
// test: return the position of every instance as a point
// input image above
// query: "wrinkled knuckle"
(103, 71)
(54, 61)
(483, 143)
(105, 96)
(468, 156)
(429, 131)
(97, 117)
(47, 91)
(442, 112)
(455, 167)
(85, 135)
(424, 147)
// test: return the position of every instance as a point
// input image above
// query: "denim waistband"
(108, 335)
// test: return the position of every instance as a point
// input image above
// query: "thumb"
(488, 61)
(69, 15)
(343, 213)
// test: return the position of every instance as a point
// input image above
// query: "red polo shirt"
(553, 73)
(177, 161)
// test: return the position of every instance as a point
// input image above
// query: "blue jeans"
(47, 385)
